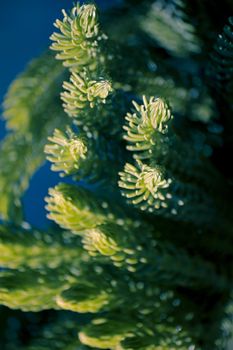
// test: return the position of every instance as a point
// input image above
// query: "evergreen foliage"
(31, 110)
(223, 55)
(141, 253)
(66, 151)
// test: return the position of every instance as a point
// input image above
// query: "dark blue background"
(25, 27)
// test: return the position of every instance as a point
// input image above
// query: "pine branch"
(167, 25)
(21, 248)
(33, 95)
(66, 151)
(76, 209)
(31, 109)
(166, 180)
(110, 233)
(126, 333)
(222, 59)
(30, 290)
(82, 92)
(77, 42)
(105, 333)
(145, 186)
(144, 125)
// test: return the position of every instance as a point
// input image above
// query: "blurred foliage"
(31, 111)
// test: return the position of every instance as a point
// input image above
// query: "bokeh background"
(25, 27)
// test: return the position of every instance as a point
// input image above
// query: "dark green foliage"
(145, 261)
(223, 57)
